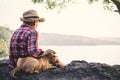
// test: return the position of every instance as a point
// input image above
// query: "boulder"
(76, 70)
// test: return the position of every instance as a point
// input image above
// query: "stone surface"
(76, 70)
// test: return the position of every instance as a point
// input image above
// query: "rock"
(76, 70)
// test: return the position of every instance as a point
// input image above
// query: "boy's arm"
(33, 45)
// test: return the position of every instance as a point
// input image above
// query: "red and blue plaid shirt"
(24, 42)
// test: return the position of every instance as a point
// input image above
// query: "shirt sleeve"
(33, 45)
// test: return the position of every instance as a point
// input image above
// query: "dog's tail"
(12, 73)
(17, 68)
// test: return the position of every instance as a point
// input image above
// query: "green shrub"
(5, 35)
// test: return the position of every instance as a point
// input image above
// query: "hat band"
(31, 17)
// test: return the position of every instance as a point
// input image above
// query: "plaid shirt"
(24, 42)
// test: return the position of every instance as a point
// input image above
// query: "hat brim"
(33, 19)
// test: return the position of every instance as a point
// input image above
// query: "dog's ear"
(53, 52)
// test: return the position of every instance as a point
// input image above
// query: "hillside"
(63, 40)
(5, 34)
(59, 39)
(115, 39)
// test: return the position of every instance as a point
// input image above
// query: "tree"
(5, 35)
(4, 46)
(117, 3)
(52, 4)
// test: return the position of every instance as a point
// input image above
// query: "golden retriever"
(34, 65)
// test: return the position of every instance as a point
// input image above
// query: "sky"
(76, 19)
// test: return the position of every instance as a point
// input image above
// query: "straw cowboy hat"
(30, 16)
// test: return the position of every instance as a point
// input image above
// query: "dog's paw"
(36, 71)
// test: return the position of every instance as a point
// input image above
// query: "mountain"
(60, 39)
(115, 39)
(64, 40)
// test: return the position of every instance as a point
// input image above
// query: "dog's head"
(52, 58)
(51, 55)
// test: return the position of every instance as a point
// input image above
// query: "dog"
(34, 65)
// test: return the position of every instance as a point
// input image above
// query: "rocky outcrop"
(76, 70)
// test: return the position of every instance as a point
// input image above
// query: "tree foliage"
(3, 48)
(52, 4)
(5, 35)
